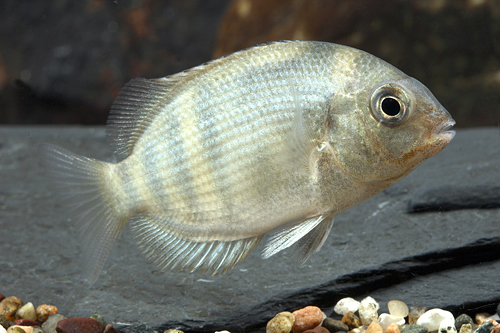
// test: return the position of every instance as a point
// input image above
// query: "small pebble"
(484, 328)
(466, 328)
(18, 329)
(100, 319)
(173, 330)
(414, 328)
(335, 325)
(374, 327)
(463, 319)
(496, 328)
(4, 322)
(392, 328)
(386, 319)
(368, 310)
(361, 329)
(2, 329)
(9, 307)
(111, 329)
(398, 308)
(24, 329)
(27, 311)
(281, 323)
(26, 322)
(351, 320)
(49, 326)
(79, 325)
(346, 305)
(319, 329)
(307, 318)
(481, 317)
(44, 311)
(432, 319)
(414, 312)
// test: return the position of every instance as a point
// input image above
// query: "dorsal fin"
(135, 108)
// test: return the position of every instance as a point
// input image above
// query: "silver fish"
(283, 135)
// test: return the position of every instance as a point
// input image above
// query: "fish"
(278, 138)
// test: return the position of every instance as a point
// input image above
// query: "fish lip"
(444, 130)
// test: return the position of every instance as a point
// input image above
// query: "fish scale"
(282, 136)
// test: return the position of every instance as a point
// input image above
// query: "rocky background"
(65, 61)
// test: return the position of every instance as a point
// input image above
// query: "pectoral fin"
(306, 236)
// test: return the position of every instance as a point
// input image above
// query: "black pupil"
(390, 106)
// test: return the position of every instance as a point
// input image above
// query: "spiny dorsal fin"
(138, 104)
(160, 244)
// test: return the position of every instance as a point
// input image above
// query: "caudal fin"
(84, 186)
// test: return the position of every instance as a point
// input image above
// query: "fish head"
(398, 124)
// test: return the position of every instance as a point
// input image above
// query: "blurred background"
(64, 61)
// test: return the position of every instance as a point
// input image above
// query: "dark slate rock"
(452, 197)
(375, 248)
(498, 309)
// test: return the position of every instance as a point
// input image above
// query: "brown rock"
(351, 320)
(481, 317)
(9, 307)
(110, 329)
(319, 329)
(392, 328)
(44, 311)
(4, 322)
(26, 322)
(79, 325)
(334, 325)
(374, 327)
(281, 323)
(1, 297)
(307, 319)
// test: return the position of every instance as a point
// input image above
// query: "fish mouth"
(444, 130)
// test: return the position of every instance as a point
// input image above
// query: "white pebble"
(386, 319)
(25, 329)
(2, 329)
(398, 308)
(368, 310)
(433, 318)
(27, 311)
(346, 305)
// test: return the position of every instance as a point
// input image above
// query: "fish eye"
(390, 105)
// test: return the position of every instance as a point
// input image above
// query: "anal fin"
(306, 237)
(171, 251)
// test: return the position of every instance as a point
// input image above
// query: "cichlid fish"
(282, 135)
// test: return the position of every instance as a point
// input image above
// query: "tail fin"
(85, 186)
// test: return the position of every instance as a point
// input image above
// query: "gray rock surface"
(437, 259)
